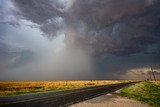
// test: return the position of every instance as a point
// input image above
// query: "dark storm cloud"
(38, 11)
(96, 39)
(120, 64)
(99, 14)
(42, 12)
(112, 26)
(118, 27)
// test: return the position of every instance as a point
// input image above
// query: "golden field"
(23, 87)
(156, 82)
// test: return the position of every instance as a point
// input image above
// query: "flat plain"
(8, 88)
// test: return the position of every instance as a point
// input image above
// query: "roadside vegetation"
(23, 87)
(146, 91)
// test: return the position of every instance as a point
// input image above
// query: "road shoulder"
(111, 100)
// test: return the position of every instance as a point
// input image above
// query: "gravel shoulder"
(111, 100)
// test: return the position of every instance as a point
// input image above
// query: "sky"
(79, 39)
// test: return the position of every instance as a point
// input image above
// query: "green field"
(146, 91)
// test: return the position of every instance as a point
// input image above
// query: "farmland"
(8, 88)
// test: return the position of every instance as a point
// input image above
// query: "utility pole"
(153, 73)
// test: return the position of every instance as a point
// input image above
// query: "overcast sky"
(79, 39)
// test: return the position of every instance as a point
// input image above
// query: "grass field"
(23, 87)
(147, 91)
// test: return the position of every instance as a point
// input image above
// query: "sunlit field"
(156, 82)
(24, 87)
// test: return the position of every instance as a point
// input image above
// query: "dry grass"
(23, 87)
(156, 82)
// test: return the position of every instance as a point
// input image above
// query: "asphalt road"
(59, 98)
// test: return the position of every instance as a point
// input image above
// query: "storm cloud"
(111, 26)
(118, 27)
(107, 34)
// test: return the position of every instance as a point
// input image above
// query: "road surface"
(58, 98)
